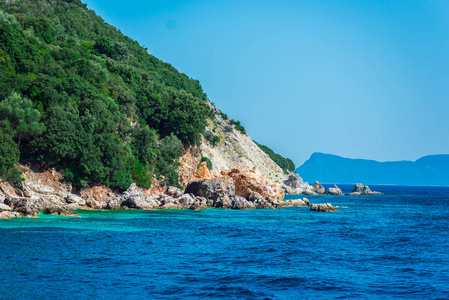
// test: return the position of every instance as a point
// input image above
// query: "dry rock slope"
(235, 149)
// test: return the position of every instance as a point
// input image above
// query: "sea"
(391, 246)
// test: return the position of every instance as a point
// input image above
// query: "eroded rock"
(326, 207)
(318, 188)
(360, 189)
(334, 191)
(249, 182)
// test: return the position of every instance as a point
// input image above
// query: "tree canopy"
(78, 95)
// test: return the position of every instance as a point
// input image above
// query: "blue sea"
(393, 246)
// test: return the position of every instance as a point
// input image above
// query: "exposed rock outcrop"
(360, 189)
(57, 210)
(250, 182)
(327, 207)
(294, 185)
(9, 215)
(334, 191)
(318, 188)
(236, 149)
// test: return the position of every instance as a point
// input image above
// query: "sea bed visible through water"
(390, 246)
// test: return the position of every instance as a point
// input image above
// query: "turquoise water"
(377, 247)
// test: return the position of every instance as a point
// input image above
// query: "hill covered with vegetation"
(78, 95)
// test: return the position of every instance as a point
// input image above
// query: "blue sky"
(360, 79)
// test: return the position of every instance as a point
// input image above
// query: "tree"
(18, 115)
(9, 156)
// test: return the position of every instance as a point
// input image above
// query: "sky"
(355, 78)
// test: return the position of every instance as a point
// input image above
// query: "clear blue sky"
(360, 79)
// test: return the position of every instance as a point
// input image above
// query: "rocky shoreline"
(232, 189)
(294, 185)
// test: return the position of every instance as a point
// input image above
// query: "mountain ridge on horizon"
(430, 170)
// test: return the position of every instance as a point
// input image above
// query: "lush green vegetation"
(78, 95)
(286, 164)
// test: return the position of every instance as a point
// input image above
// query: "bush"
(214, 140)
(208, 162)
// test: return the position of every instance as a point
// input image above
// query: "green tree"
(17, 114)
(9, 157)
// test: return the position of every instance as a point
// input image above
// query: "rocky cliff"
(227, 148)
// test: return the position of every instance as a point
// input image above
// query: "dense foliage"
(78, 95)
(286, 164)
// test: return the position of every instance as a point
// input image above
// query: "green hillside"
(78, 95)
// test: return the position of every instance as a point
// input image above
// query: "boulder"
(25, 189)
(214, 189)
(360, 189)
(115, 203)
(95, 204)
(249, 182)
(31, 206)
(201, 203)
(72, 198)
(134, 198)
(9, 215)
(296, 202)
(318, 188)
(186, 201)
(168, 202)
(4, 207)
(261, 203)
(293, 181)
(241, 203)
(57, 210)
(174, 192)
(25, 206)
(327, 207)
(334, 191)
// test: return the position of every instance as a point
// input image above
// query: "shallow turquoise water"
(390, 246)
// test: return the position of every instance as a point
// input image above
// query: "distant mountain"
(328, 168)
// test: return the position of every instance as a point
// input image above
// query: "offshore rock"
(327, 207)
(360, 189)
(249, 182)
(334, 191)
(318, 188)
(296, 203)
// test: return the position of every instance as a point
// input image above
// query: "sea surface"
(393, 246)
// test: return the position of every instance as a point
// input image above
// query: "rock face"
(212, 188)
(327, 207)
(252, 182)
(334, 191)
(360, 189)
(236, 149)
(295, 186)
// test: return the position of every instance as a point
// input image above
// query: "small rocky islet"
(231, 189)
